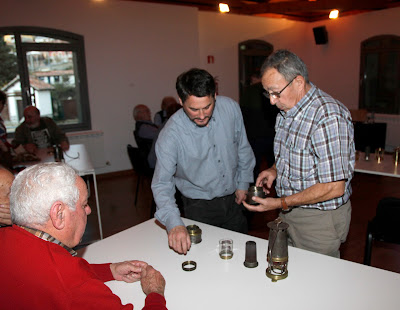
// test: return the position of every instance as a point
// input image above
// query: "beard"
(204, 123)
(205, 120)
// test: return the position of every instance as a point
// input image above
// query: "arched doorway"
(252, 54)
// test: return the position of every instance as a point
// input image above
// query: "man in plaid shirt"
(314, 157)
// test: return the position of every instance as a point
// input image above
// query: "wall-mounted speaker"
(320, 35)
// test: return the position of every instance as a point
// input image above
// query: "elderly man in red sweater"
(49, 209)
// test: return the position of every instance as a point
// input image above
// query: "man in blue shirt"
(203, 151)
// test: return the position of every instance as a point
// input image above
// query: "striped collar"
(45, 236)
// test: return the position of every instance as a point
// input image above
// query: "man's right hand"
(179, 239)
(152, 281)
(266, 177)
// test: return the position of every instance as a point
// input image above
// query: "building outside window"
(46, 68)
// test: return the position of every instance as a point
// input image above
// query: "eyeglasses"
(276, 95)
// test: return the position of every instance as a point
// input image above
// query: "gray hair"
(36, 188)
(286, 63)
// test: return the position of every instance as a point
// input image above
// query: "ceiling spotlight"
(334, 14)
(223, 8)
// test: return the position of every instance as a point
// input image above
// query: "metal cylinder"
(194, 233)
(254, 191)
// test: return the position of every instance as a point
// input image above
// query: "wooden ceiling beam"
(313, 6)
(302, 10)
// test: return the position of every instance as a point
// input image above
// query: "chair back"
(138, 160)
(386, 223)
(142, 143)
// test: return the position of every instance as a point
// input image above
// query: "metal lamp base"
(275, 277)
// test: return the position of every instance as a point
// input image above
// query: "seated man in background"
(171, 109)
(162, 116)
(38, 132)
(6, 179)
(49, 211)
(145, 129)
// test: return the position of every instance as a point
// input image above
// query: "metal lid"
(193, 230)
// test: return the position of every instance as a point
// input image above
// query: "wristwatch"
(284, 205)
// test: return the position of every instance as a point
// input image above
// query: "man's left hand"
(5, 214)
(240, 196)
(129, 271)
(266, 204)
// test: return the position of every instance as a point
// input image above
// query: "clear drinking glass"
(226, 248)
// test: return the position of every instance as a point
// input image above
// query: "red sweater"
(37, 274)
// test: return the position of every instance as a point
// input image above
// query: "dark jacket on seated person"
(145, 132)
(47, 134)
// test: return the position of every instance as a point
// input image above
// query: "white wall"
(336, 66)
(220, 35)
(135, 51)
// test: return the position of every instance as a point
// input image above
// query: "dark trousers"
(223, 212)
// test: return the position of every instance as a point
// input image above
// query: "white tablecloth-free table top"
(371, 166)
(314, 281)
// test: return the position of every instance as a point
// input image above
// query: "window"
(46, 68)
(380, 75)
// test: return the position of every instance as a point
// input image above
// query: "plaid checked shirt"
(314, 143)
(45, 236)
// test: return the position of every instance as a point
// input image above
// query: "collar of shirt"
(45, 236)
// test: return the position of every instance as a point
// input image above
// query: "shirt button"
(219, 161)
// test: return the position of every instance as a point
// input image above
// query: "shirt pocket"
(301, 164)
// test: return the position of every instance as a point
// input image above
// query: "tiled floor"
(118, 212)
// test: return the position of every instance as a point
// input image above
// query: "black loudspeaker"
(320, 35)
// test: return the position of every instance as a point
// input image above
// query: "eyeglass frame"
(275, 94)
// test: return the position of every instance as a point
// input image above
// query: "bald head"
(141, 113)
(32, 116)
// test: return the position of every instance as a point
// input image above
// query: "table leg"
(97, 204)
